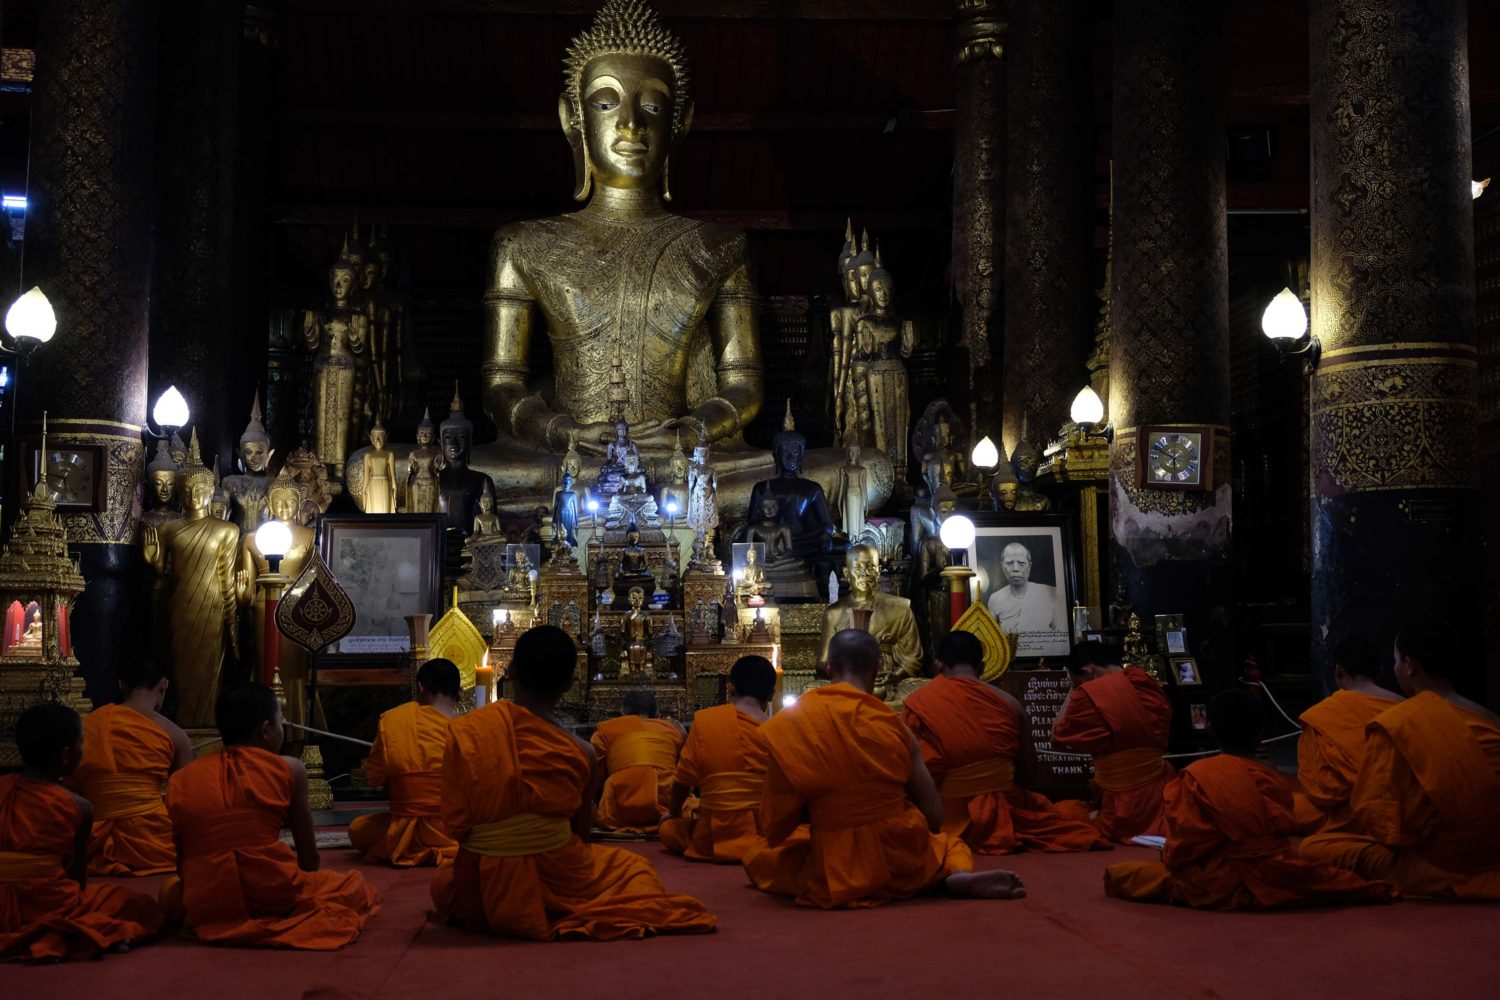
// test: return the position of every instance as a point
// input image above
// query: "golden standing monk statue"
(284, 498)
(670, 301)
(337, 338)
(890, 620)
(198, 555)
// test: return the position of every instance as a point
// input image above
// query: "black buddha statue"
(459, 487)
(800, 503)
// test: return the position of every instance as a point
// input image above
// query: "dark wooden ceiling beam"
(803, 10)
(754, 121)
(489, 217)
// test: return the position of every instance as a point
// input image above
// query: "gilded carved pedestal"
(1395, 508)
(1169, 349)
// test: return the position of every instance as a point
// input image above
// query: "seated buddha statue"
(752, 583)
(801, 503)
(671, 299)
(632, 570)
(783, 569)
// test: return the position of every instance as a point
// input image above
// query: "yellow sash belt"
(642, 750)
(982, 777)
(122, 795)
(415, 793)
(18, 866)
(730, 791)
(1126, 769)
(519, 836)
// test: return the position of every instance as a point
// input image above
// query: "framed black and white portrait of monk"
(1027, 571)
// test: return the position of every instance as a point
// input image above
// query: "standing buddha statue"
(849, 496)
(198, 555)
(703, 487)
(841, 320)
(673, 494)
(878, 373)
(378, 478)
(247, 488)
(422, 469)
(336, 336)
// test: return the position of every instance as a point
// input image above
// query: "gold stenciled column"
(979, 199)
(88, 245)
(1395, 499)
(1049, 199)
(1169, 347)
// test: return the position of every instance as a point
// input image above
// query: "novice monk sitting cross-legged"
(47, 913)
(518, 795)
(1425, 812)
(842, 763)
(639, 752)
(240, 884)
(1332, 744)
(128, 751)
(407, 759)
(725, 759)
(975, 743)
(1228, 826)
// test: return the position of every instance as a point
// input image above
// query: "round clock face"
(69, 478)
(1176, 458)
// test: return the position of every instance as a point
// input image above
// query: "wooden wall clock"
(1175, 457)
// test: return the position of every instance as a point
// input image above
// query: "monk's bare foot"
(997, 884)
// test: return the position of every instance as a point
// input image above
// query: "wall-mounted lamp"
(1087, 412)
(1285, 323)
(1476, 188)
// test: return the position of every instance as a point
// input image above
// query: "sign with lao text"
(1042, 694)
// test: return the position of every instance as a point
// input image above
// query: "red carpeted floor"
(1065, 940)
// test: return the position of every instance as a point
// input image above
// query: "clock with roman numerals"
(1175, 458)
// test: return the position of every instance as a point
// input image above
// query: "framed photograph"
(1176, 641)
(1184, 671)
(1199, 714)
(1027, 576)
(76, 475)
(392, 566)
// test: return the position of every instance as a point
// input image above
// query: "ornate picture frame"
(391, 565)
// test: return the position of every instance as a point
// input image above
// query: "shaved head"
(854, 658)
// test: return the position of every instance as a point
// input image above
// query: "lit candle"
(484, 677)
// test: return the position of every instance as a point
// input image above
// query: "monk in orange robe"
(408, 759)
(518, 795)
(843, 764)
(1425, 813)
(1332, 744)
(725, 759)
(975, 744)
(240, 884)
(1119, 715)
(1229, 820)
(640, 758)
(47, 912)
(129, 749)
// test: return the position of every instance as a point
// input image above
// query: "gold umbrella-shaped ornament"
(456, 638)
(996, 645)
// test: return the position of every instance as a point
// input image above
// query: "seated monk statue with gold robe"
(239, 884)
(724, 759)
(670, 300)
(48, 912)
(1228, 829)
(129, 749)
(842, 763)
(518, 796)
(1332, 745)
(1425, 813)
(639, 752)
(890, 620)
(977, 745)
(407, 759)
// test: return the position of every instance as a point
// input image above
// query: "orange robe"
(512, 781)
(970, 735)
(640, 757)
(126, 760)
(45, 914)
(1426, 804)
(240, 884)
(1229, 822)
(1329, 752)
(725, 758)
(1123, 719)
(407, 758)
(840, 761)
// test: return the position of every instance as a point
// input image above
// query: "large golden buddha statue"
(625, 289)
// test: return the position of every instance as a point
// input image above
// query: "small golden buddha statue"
(284, 501)
(943, 464)
(378, 479)
(703, 488)
(752, 582)
(422, 469)
(519, 584)
(890, 619)
(198, 554)
(850, 495)
(161, 486)
(336, 337)
(672, 497)
(487, 522)
(247, 488)
(635, 631)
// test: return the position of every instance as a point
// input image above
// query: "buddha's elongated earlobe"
(583, 174)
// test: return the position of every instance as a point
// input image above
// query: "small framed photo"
(1176, 641)
(392, 566)
(1185, 671)
(1199, 714)
(76, 476)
